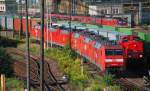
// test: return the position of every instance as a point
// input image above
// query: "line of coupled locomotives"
(93, 19)
(96, 47)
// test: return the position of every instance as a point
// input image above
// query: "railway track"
(50, 82)
(132, 83)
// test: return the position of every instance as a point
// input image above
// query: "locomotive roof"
(114, 47)
(98, 38)
(129, 36)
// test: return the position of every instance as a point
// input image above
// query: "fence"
(7, 34)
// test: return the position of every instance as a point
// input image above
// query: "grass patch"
(14, 84)
(70, 67)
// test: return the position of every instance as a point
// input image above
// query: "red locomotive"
(92, 20)
(133, 46)
(95, 48)
(100, 52)
(103, 53)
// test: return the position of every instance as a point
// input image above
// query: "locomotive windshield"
(87, 40)
(136, 39)
(64, 31)
(76, 35)
(54, 26)
(125, 40)
(110, 52)
(118, 52)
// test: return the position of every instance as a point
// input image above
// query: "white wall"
(2, 6)
(2, 0)
(96, 9)
(110, 7)
(93, 10)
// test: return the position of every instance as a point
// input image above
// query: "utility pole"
(51, 22)
(49, 3)
(21, 27)
(73, 6)
(111, 9)
(47, 22)
(27, 50)
(140, 12)
(70, 5)
(42, 48)
(3, 82)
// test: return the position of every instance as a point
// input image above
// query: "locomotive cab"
(133, 47)
(114, 56)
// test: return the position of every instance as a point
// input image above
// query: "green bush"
(66, 60)
(5, 63)
(0, 27)
(115, 88)
(107, 80)
(14, 83)
(70, 67)
(94, 86)
(71, 52)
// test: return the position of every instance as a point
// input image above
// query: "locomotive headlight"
(108, 60)
(119, 60)
(129, 56)
(135, 45)
(75, 41)
(141, 56)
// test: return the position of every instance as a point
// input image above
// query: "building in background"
(65, 7)
(2, 6)
(8, 7)
(33, 7)
(138, 9)
(11, 7)
(105, 9)
(34, 3)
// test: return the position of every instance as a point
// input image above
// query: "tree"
(5, 63)
(0, 27)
